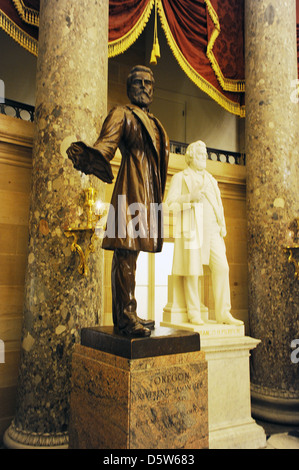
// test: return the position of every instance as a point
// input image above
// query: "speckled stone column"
(272, 197)
(71, 103)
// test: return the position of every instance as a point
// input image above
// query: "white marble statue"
(195, 198)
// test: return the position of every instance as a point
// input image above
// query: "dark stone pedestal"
(163, 341)
(134, 393)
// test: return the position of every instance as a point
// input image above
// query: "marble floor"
(281, 437)
(278, 437)
(283, 441)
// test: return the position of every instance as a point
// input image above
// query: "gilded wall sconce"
(90, 200)
(292, 246)
(89, 229)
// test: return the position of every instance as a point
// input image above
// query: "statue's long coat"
(140, 183)
(192, 246)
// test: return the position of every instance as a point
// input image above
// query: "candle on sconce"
(289, 238)
(90, 199)
(99, 207)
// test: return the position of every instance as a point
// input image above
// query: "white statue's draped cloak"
(196, 222)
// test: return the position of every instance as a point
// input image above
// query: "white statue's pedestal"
(227, 352)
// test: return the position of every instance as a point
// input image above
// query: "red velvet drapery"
(190, 27)
(205, 36)
(226, 42)
(123, 16)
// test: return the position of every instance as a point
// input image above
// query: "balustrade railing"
(26, 112)
(17, 110)
(215, 155)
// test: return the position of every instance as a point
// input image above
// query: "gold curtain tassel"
(153, 59)
(156, 47)
(155, 53)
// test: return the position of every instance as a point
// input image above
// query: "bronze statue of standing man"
(139, 186)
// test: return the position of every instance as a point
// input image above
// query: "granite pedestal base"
(146, 393)
(227, 352)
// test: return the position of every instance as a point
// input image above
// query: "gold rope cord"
(22, 38)
(118, 46)
(155, 54)
(226, 83)
(194, 76)
(27, 14)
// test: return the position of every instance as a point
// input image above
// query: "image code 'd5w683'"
(173, 459)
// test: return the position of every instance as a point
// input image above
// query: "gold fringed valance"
(205, 36)
(199, 80)
(137, 21)
(228, 84)
(24, 38)
(192, 28)
(29, 15)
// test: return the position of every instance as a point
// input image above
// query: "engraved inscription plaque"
(169, 404)
(148, 403)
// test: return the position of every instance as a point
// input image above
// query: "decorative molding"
(269, 393)
(16, 131)
(16, 142)
(275, 406)
(15, 438)
(21, 157)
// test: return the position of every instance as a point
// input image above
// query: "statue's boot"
(194, 317)
(228, 319)
(147, 323)
(129, 325)
(135, 330)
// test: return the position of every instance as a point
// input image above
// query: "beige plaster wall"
(15, 175)
(18, 68)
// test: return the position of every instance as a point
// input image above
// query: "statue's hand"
(197, 196)
(80, 158)
(223, 232)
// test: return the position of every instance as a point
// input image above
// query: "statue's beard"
(141, 99)
(198, 166)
